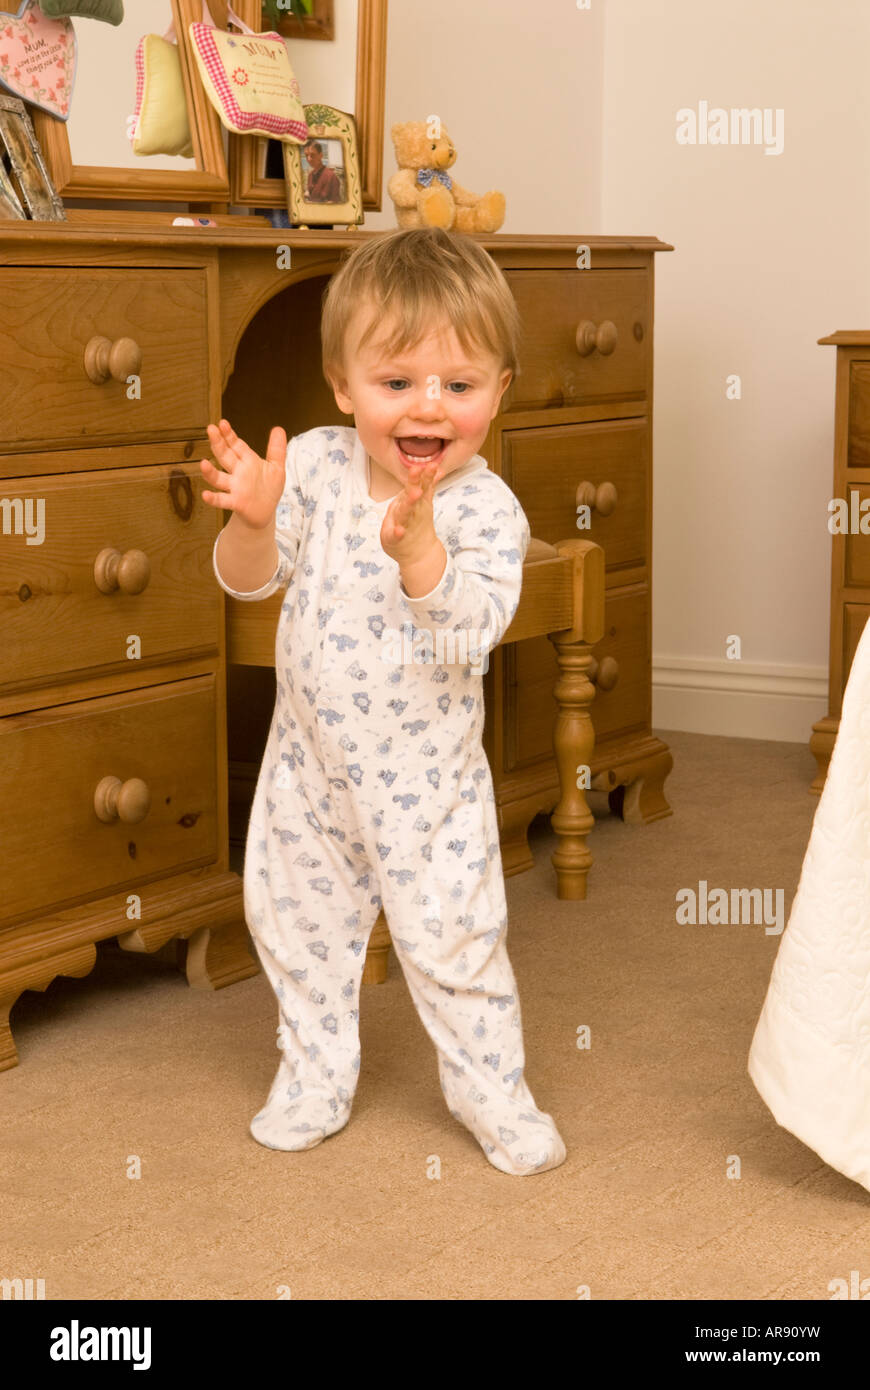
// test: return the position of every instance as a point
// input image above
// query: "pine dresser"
(128, 745)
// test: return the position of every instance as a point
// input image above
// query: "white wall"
(771, 254)
(518, 84)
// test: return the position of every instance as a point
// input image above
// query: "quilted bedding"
(810, 1056)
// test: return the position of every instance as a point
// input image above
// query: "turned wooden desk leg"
(378, 953)
(573, 740)
(219, 957)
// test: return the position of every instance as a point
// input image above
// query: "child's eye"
(457, 388)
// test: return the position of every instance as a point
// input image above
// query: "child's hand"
(408, 529)
(250, 486)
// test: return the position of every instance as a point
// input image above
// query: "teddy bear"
(424, 195)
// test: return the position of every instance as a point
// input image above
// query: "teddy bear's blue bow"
(425, 177)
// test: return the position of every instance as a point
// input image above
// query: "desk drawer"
(545, 468)
(612, 360)
(858, 447)
(54, 618)
(55, 847)
(856, 567)
(855, 617)
(48, 395)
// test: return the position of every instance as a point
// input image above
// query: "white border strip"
(739, 699)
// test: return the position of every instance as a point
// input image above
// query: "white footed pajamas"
(375, 791)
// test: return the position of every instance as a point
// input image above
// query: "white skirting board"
(739, 699)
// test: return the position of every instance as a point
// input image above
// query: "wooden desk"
(121, 338)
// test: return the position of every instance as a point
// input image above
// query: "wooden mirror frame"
(248, 189)
(209, 182)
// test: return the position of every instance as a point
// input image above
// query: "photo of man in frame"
(324, 180)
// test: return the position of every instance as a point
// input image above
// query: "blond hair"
(416, 276)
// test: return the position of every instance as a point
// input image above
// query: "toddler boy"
(374, 789)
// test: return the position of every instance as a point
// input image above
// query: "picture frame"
(256, 179)
(207, 183)
(322, 175)
(25, 180)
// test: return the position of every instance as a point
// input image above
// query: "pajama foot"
(515, 1135)
(527, 1157)
(294, 1119)
(520, 1144)
(281, 1133)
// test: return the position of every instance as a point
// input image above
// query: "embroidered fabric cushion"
(111, 11)
(250, 83)
(161, 123)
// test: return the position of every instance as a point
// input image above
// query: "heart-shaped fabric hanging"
(38, 59)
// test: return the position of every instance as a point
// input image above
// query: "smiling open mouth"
(421, 449)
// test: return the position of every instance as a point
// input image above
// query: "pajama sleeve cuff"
(263, 592)
(441, 590)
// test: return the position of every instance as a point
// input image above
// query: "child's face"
(434, 388)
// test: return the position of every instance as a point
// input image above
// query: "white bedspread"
(810, 1056)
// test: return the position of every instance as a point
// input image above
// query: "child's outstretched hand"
(249, 485)
(408, 529)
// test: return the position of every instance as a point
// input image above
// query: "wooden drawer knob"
(128, 801)
(105, 359)
(129, 572)
(604, 675)
(601, 499)
(596, 337)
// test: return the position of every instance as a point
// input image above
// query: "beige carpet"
(130, 1061)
